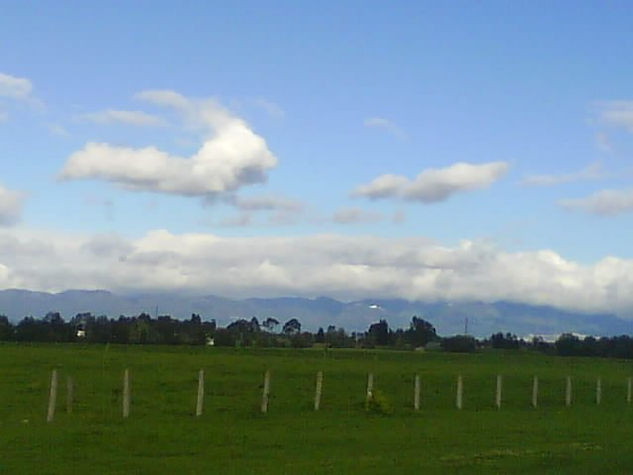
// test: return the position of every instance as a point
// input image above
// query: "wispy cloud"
(591, 172)
(265, 203)
(58, 130)
(603, 142)
(271, 108)
(17, 90)
(128, 117)
(14, 87)
(434, 185)
(602, 203)
(398, 217)
(385, 124)
(356, 216)
(259, 210)
(11, 204)
(237, 221)
(617, 113)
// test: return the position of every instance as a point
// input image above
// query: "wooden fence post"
(598, 390)
(629, 389)
(126, 393)
(568, 391)
(460, 391)
(266, 392)
(52, 397)
(535, 392)
(498, 392)
(200, 398)
(416, 393)
(317, 390)
(70, 394)
(370, 386)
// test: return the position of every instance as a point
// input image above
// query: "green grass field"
(162, 435)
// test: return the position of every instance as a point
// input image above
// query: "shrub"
(377, 403)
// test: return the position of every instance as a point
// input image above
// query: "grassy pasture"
(162, 435)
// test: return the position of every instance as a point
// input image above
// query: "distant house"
(81, 322)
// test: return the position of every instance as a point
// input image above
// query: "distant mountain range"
(447, 317)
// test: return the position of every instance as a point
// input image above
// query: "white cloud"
(280, 210)
(345, 267)
(14, 87)
(231, 156)
(17, 90)
(355, 216)
(602, 203)
(590, 172)
(617, 113)
(385, 124)
(434, 185)
(111, 116)
(165, 98)
(11, 203)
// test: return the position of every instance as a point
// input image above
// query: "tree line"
(165, 330)
(143, 329)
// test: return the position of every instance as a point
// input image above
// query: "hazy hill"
(448, 317)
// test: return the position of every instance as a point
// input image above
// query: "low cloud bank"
(344, 267)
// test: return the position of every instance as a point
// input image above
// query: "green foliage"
(459, 344)
(377, 403)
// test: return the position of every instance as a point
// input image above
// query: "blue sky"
(320, 100)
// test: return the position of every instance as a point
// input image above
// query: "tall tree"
(292, 327)
(378, 333)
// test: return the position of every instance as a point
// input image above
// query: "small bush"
(377, 403)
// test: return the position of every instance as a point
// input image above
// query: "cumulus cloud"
(384, 124)
(11, 203)
(127, 117)
(617, 113)
(355, 216)
(434, 185)
(345, 267)
(231, 156)
(590, 172)
(602, 203)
